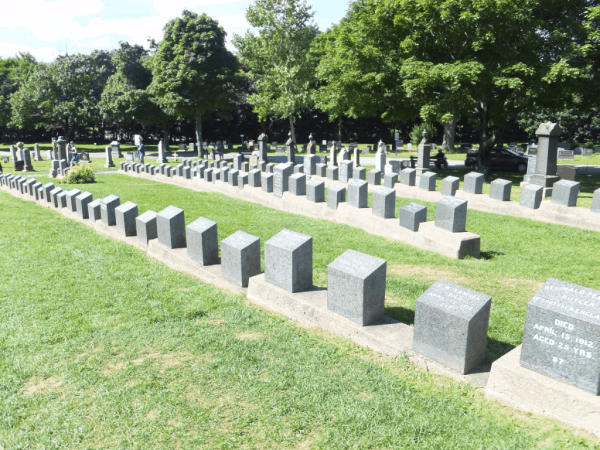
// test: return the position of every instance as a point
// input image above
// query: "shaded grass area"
(103, 347)
(518, 255)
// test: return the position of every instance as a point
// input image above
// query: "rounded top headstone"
(115, 143)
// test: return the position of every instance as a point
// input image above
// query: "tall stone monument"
(13, 154)
(54, 149)
(37, 155)
(116, 149)
(423, 154)
(356, 158)
(262, 147)
(61, 152)
(332, 156)
(109, 161)
(162, 159)
(290, 146)
(312, 146)
(380, 157)
(27, 159)
(545, 168)
(19, 151)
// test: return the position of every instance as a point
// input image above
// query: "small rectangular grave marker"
(384, 203)
(240, 257)
(202, 241)
(315, 191)
(170, 226)
(450, 186)
(289, 261)
(358, 193)
(125, 216)
(145, 225)
(451, 214)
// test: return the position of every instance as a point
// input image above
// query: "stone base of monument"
(429, 237)
(525, 389)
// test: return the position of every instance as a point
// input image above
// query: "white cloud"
(168, 7)
(9, 49)
(103, 42)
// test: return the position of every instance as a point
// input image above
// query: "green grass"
(103, 347)
(518, 255)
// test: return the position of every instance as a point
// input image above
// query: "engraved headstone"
(562, 332)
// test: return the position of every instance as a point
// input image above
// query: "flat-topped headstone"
(94, 212)
(47, 189)
(72, 199)
(427, 181)
(187, 173)
(596, 202)
(170, 226)
(37, 190)
(359, 173)
(266, 182)
(473, 183)
(242, 180)
(126, 215)
(232, 176)
(83, 200)
(30, 182)
(107, 209)
(216, 175)
(315, 191)
(374, 177)
(281, 176)
(412, 215)
(531, 196)
(321, 170)
(298, 168)
(54, 196)
(62, 199)
(203, 242)
(298, 184)
(335, 195)
(451, 324)
(356, 287)
(358, 193)
(208, 175)
(565, 192)
(451, 214)
(500, 190)
(145, 225)
(333, 173)
(289, 261)
(450, 186)
(310, 165)
(270, 168)
(562, 332)
(384, 203)
(254, 178)
(245, 167)
(240, 257)
(390, 179)
(346, 169)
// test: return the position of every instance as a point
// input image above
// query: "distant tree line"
(487, 72)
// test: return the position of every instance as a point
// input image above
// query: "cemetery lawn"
(518, 255)
(103, 347)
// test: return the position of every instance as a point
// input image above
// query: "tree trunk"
(449, 133)
(199, 134)
(263, 126)
(166, 138)
(486, 142)
(293, 130)
(340, 129)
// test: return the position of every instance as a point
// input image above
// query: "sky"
(48, 28)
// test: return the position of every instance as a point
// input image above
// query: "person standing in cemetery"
(141, 149)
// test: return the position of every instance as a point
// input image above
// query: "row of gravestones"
(562, 327)
(451, 212)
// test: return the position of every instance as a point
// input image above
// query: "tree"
(13, 73)
(193, 73)
(443, 59)
(277, 58)
(126, 98)
(63, 95)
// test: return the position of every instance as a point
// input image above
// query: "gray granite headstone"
(203, 242)
(332, 173)
(384, 203)
(30, 182)
(170, 226)
(38, 190)
(62, 199)
(346, 169)
(145, 225)
(473, 183)
(208, 175)
(356, 287)
(125, 215)
(321, 170)
(107, 209)
(266, 182)
(94, 213)
(390, 180)
(412, 215)
(315, 191)
(289, 261)
(359, 173)
(270, 168)
(596, 202)
(451, 324)
(427, 181)
(54, 196)
(310, 165)
(83, 201)
(335, 195)
(242, 180)
(298, 184)
(358, 193)
(232, 176)
(47, 188)
(451, 214)
(281, 176)
(298, 168)
(564, 192)
(240, 257)
(374, 177)
(254, 178)
(500, 190)
(450, 186)
(245, 167)
(562, 332)
(72, 199)
(531, 196)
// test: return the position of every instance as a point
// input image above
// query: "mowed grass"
(102, 347)
(518, 255)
